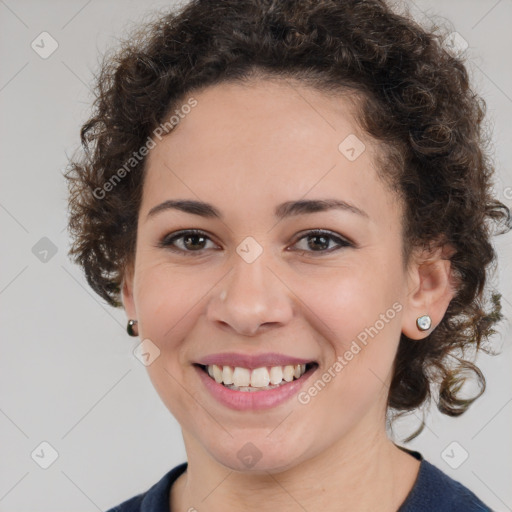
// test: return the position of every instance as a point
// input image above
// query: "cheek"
(358, 312)
(168, 302)
(166, 298)
(347, 302)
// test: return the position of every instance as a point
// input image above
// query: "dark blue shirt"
(433, 491)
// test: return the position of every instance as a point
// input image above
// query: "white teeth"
(238, 377)
(260, 378)
(227, 375)
(241, 376)
(276, 374)
(217, 373)
(288, 373)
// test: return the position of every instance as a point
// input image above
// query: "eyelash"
(168, 240)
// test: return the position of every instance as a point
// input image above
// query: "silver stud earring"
(423, 323)
(130, 327)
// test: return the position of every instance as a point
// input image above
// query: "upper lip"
(251, 361)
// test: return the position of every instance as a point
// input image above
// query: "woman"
(291, 200)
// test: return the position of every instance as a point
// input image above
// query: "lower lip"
(253, 400)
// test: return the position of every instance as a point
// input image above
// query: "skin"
(245, 149)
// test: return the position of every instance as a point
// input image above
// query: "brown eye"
(318, 242)
(191, 241)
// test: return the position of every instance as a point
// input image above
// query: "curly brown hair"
(415, 98)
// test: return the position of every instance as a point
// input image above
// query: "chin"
(256, 454)
(265, 465)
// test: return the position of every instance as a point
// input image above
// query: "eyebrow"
(287, 209)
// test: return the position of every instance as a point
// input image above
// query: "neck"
(362, 472)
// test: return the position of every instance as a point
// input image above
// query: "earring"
(130, 326)
(423, 323)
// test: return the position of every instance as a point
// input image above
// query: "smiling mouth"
(258, 379)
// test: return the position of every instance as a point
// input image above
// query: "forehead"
(265, 141)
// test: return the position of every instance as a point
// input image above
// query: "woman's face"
(254, 283)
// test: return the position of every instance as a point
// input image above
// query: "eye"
(193, 241)
(323, 239)
(191, 238)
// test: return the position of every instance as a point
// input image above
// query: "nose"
(252, 297)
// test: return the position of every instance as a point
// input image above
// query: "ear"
(127, 293)
(431, 287)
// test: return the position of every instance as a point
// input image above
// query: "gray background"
(68, 376)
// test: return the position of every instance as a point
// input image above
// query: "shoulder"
(156, 498)
(435, 491)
